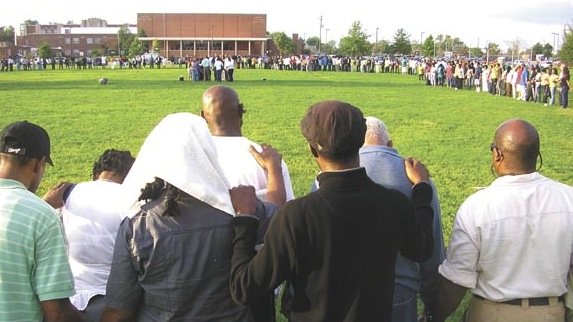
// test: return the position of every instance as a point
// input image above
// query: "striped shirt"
(33, 254)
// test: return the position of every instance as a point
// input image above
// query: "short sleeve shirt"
(33, 254)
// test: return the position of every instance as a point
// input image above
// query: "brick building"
(71, 39)
(193, 34)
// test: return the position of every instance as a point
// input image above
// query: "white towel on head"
(180, 150)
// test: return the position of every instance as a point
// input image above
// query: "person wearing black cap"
(335, 247)
(35, 276)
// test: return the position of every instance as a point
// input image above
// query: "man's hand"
(416, 171)
(244, 200)
(55, 197)
(268, 158)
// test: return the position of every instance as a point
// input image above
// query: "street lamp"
(320, 35)
(376, 45)
(555, 47)
(326, 39)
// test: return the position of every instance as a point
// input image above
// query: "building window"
(76, 41)
(68, 41)
(97, 40)
(89, 40)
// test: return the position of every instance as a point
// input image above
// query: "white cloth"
(513, 239)
(241, 168)
(180, 150)
(91, 217)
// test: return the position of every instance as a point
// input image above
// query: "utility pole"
(320, 35)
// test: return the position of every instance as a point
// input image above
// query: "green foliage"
(537, 49)
(283, 42)
(7, 34)
(449, 131)
(428, 47)
(156, 45)
(45, 50)
(566, 51)
(30, 22)
(476, 52)
(355, 43)
(313, 41)
(96, 53)
(144, 45)
(493, 49)
(126, 40)
(401, 44)
(547, 50)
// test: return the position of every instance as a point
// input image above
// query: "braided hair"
(154, 190)
(113, 160)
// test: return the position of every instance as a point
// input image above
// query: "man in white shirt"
(512, 242)
(224, 115)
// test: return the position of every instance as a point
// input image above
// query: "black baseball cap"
(25, 139)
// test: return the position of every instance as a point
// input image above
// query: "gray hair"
(376, 130)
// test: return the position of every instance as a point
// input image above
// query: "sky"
(474, 22)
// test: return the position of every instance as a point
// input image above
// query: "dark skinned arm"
(60, 310)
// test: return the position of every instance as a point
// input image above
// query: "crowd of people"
(203, 225)
(529, 83)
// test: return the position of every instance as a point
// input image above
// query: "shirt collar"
(11, 184)
(379, 148)
(519, 178)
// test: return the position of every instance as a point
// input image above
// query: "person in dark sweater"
(335, 247)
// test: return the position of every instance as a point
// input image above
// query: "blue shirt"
(386, 167)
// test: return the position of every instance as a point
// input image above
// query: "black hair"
(160, 188)
(113, 160)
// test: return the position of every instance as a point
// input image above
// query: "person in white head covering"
(172, 258)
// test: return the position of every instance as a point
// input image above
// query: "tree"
(45, 50)
(30, 22)
(7, 34)
(156, 45)
(312, 42)
(355, 43)
(476, 52)
(566, 51)
(537, 49)
(493, 49)
(329, 47)
(135, 48)
(547, 50)
(283, 42)
(402, 44)
(125, 39)
(144, 45)
(428, 47)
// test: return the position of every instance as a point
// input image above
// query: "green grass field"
(450, 131)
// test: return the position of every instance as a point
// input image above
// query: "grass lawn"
(450, 131)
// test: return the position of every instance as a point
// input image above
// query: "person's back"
(183, 262)
(91, 214)
(511, 242)
(385, 166)
(35, 277)
(335, 247)
(171, 259)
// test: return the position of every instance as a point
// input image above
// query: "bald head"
(518, 140)
(222, 111)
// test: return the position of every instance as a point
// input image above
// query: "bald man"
(511, 242)
(223, 112)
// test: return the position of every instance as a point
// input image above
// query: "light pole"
(320, 35)
(555, 47)
(376, 44)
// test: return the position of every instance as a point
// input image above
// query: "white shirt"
(513, 239)
(240, 167)
(91, 218)
(229, 63)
